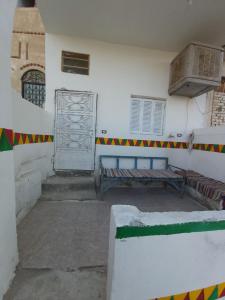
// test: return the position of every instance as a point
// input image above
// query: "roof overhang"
(158, 24)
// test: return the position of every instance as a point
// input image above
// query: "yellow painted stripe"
(207, 293)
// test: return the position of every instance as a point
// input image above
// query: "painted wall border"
(210, 293)
(9, 139)
(6, 139)
(140, 143)
(219, 148)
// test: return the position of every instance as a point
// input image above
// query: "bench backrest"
(118, 159)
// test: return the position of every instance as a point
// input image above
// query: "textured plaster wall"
(33, 162)
(8, 238)
(163, 265)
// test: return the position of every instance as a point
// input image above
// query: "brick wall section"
(218, 109)
(28, 44)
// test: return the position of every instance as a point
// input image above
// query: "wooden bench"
(111, 177)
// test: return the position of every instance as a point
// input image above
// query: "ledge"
(130, 222)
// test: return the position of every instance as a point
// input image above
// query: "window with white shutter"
(147, 115)
(135, 115)
(158, 115)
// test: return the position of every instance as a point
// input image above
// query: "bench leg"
(101, 188)
(107, 184)
(179, 186)
(165, 184)
(182, 190)
(101, 192)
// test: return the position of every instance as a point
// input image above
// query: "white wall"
(162, 265)
(8, 239)
(33, 162)
(116, 72)
(210, 164)
(197, 117)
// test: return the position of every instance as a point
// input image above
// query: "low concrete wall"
(209, 163)
(155, 255)
(8, 239)
(33, 162)
(207, 156)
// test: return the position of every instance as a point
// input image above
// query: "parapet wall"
(33, 152)
(157, 255)
(210, 160)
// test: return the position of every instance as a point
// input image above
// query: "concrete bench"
(111, 177)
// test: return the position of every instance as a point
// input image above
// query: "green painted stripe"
(5, 142)
(215, 294)
(138, 231)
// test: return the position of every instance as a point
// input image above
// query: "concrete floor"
(63, 244)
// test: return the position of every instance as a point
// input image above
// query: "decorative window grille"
(76, 63)
(147, 115)
(33, 87)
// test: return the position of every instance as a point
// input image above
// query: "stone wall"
(218, 109)
(28, 44)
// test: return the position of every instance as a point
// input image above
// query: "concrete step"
(79, 195)
(48, 284)
(68, 183)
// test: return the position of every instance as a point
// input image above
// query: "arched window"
(33, 87)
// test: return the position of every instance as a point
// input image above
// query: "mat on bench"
(208, 187)
(140, 173)
(153, 169)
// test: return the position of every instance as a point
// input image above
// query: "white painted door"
(75, 121)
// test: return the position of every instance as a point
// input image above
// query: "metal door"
(75, 121)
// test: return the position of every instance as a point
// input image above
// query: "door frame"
(95, 127)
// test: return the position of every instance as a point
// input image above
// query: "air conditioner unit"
(196, 70)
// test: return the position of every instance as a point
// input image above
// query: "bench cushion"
(141, 173)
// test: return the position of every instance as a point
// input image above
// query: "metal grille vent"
(76, 63)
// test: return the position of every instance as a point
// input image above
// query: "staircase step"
(68, 184)
(69, 195)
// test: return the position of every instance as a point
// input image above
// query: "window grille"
(33, 87)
